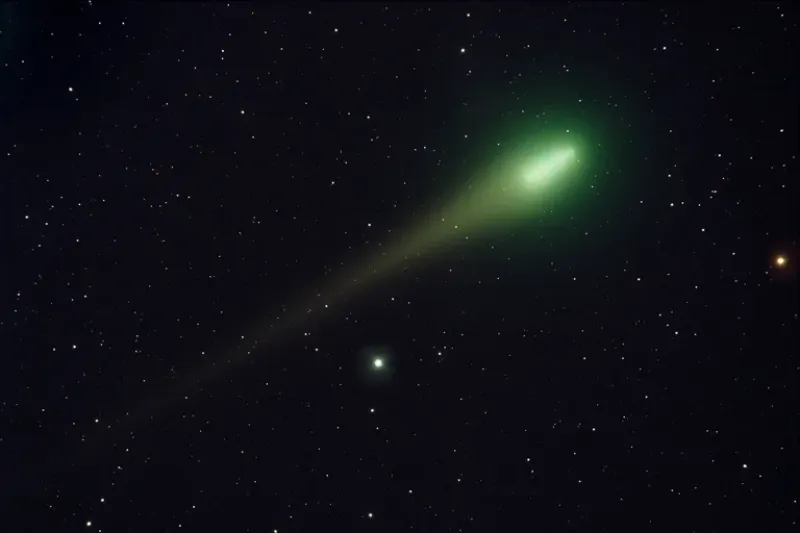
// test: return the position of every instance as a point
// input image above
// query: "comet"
(507, 190)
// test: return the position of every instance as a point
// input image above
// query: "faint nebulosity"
(398, 267)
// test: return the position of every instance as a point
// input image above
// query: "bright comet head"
(547, 166)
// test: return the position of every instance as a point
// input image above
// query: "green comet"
(520, 180)
(527, 176)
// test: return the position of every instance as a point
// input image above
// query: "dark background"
(626, 365)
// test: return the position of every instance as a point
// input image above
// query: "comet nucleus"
(543, 169)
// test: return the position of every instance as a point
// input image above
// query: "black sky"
(173, 173)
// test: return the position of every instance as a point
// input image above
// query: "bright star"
(377, 362)
(780, 261)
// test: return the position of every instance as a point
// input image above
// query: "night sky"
(193, 335)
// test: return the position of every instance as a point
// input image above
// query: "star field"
(238, 295)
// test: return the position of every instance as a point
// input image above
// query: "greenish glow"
(530, 176)
(542, 170)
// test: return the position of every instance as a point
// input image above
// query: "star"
(377, 363)
(780, 261)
